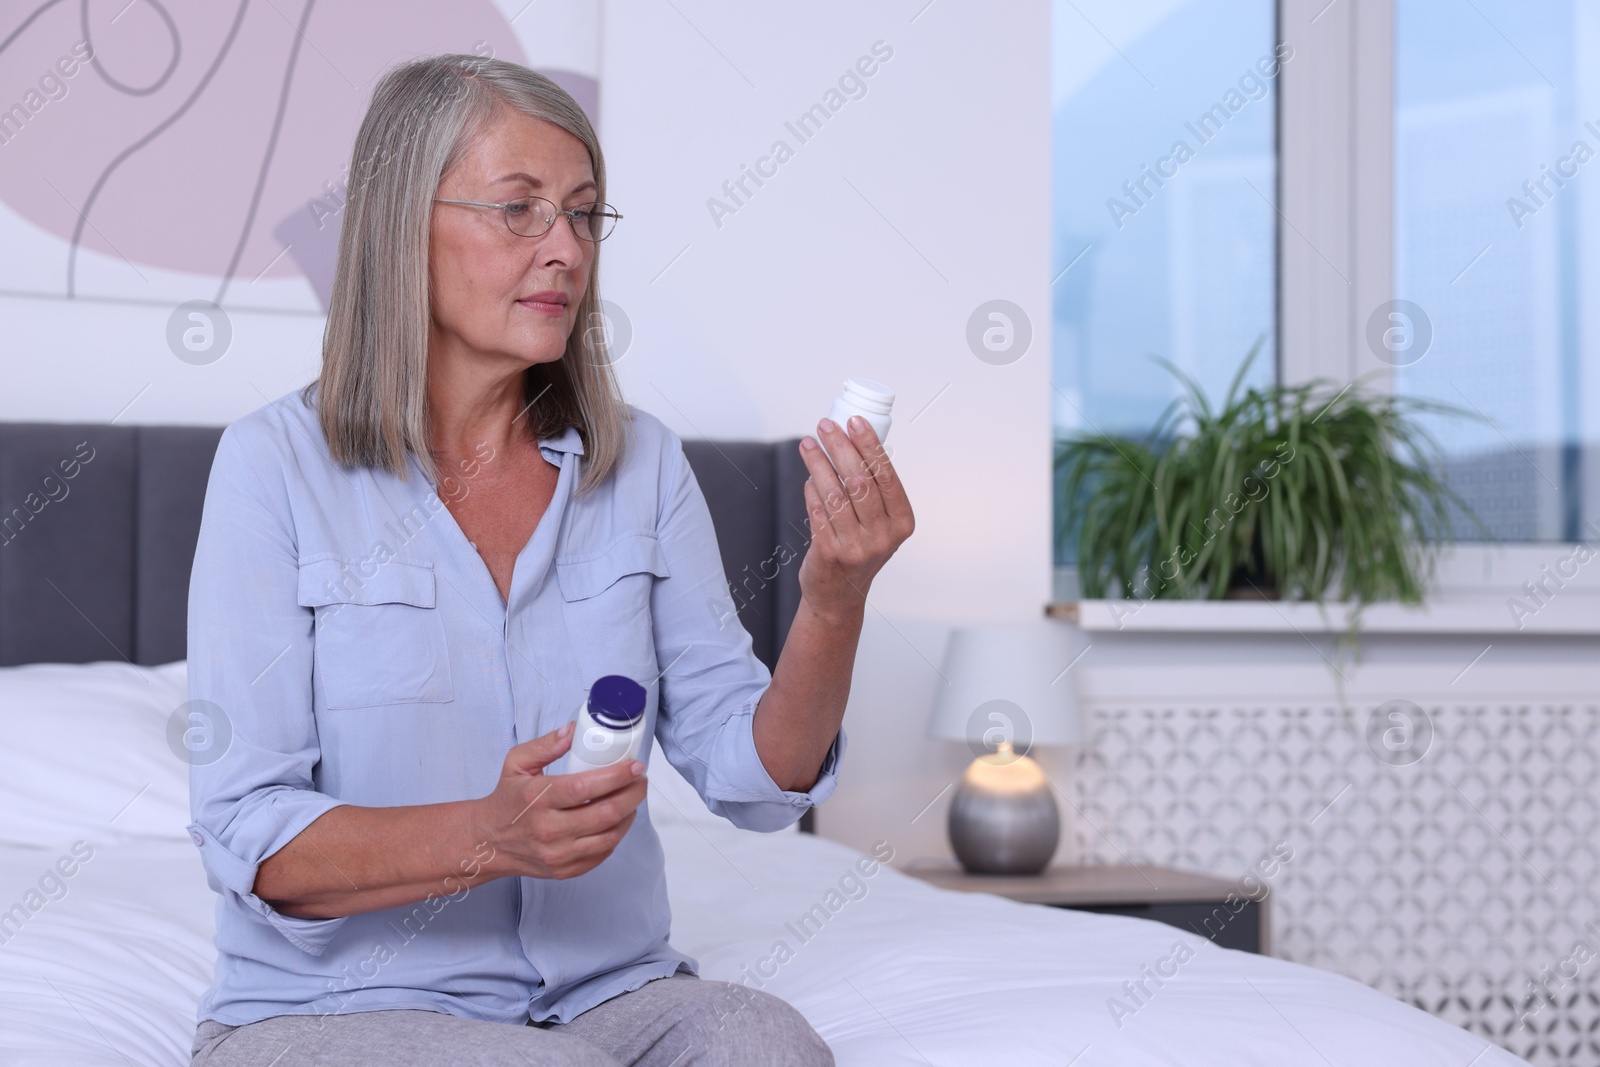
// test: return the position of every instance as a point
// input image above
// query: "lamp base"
(1003, 818)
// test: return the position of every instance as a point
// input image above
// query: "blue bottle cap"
(617, 701)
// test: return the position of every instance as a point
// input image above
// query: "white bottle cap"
(866, 393)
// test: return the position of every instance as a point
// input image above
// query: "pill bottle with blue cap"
(609, 726)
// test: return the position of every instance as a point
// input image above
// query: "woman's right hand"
(556, 825)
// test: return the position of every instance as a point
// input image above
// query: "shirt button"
(199, 838)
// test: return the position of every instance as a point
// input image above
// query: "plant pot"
(1241, 586)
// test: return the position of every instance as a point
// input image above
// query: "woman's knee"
(746, 1021)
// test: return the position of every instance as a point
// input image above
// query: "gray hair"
(372, 392)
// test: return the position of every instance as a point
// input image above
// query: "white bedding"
(906, 974)
(890, 971)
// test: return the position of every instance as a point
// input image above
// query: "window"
(1496, 239)
(1414, 201)
(1164, 222)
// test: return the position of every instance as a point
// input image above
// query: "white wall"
(865, 254)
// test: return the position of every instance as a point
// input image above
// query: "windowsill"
(1575, 614)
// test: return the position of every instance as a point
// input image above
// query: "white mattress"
(904, 974)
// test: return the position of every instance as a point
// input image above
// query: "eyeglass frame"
(610, 213)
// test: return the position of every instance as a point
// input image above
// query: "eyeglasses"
(532, 216)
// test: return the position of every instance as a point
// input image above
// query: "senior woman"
(409, 574)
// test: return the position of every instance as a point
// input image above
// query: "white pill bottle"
(609, 726)
(867, 398)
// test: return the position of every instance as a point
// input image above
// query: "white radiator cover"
(1452, 881)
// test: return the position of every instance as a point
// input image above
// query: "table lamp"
(1009, 689)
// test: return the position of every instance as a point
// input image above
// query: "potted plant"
(1295, 492)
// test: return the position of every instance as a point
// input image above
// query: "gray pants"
(681, 1021)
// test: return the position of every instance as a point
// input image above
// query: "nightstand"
(1194, 902)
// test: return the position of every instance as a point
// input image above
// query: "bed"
(106, 918)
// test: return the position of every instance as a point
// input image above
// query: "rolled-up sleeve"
(252, 738)
(712, 678)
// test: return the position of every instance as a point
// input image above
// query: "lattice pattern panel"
(1448, 856)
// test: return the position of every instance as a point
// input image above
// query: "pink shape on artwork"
(184, 105)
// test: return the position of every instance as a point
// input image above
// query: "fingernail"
(807, 443)
(826, 424)
(857, 423)
(566, 729)
(636, 767)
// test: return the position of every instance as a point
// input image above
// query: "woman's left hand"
(859, 516)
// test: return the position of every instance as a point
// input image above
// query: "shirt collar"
(565, 441)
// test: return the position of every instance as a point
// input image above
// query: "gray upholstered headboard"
(98, 526)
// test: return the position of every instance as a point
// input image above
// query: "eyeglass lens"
(531, 216)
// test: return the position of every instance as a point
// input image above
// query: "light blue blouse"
(356, 650)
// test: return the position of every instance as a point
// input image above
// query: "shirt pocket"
(606, 597)
(379, 639)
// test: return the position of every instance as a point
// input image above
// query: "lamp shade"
(1010, 682)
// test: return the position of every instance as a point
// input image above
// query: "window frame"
(1335, 187)
(1336, 235)
(1335, 128)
